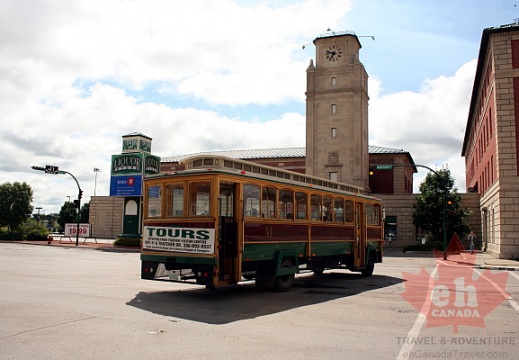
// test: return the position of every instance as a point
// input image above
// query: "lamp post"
(49, 169)
(38, 208)
(96, 170)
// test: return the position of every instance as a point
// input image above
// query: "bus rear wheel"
(285, 282)
(368, 270)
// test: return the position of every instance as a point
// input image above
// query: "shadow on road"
(248, 301)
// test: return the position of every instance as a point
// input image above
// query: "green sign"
(384, 167)
(127, 164)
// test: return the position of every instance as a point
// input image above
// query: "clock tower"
(337, 111)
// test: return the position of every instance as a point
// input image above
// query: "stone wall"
(106, 216)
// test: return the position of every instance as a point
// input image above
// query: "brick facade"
(491, 145)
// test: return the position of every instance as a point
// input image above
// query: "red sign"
(72, 229)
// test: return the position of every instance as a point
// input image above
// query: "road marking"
(407, 347)
(503, 292)
(420, 321)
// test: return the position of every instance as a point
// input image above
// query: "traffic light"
(76, 204)
(80, 195)
(371, 170)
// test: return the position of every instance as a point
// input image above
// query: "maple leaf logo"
(451, 295)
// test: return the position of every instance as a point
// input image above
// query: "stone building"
(491, 143)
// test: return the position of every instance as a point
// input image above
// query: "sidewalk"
(482, 261)
(486, 261)
(89, 243)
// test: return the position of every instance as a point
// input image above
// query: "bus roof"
(210, 163)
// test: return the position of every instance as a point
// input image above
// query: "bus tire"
(318, 271)
(285, 282)
(368, 270)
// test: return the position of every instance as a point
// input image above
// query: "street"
(63, 303)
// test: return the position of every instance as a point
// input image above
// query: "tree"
(67, 214)
(430, 208)
(15, 204)
(85, 213)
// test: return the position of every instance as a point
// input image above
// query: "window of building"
(334, 133)
(333, 176)
(334, 81)
(334, 109)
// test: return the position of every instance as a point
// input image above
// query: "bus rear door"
(360, 235)
(228, 239)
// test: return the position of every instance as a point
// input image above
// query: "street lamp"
(49, 169)
(68, 198)
(96, 170)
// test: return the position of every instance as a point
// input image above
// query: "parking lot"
(77, 302)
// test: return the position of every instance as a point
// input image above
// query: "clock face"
(333, 53)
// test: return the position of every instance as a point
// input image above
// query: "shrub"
(29, 230)
(128, 241)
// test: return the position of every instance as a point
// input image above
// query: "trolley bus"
(222, 221)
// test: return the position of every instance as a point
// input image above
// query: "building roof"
(275, 153)
(136, 134)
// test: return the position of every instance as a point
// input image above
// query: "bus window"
(268, 202)
(199, 198)
(348, 211)
(315, 207)
(226, 199)
(301, 201)
(376, 214)
(286, 204)
(372, 214)
(154, 201)
(368, 209)
(327, 209)
(175, 196)
(251, 200)
(338, 207)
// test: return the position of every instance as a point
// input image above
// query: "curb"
(491, 267)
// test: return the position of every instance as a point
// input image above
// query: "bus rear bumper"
(152, 270)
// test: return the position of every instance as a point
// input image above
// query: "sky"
(205, 75)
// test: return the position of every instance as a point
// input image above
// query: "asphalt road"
(77, 303)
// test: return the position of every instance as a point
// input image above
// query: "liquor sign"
(127, 164)
(151, 164)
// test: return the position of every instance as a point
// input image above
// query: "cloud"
(430, 124)
(195, 76)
